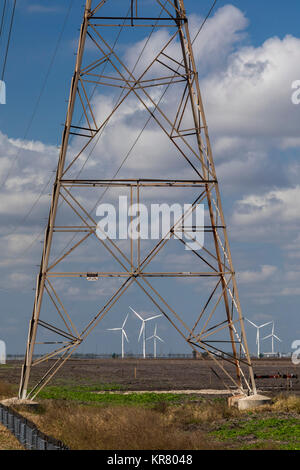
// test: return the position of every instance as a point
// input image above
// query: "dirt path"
(177, 392)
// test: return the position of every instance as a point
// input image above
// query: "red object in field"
(276, 376)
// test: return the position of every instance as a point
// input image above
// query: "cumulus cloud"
(221, 34)
(266, 272)
(247, 96)
(252, 97)
(272, 214)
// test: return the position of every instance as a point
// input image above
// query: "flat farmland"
(91, 404)
(156, 374)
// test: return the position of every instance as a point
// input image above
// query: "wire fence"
(20, 357)
(26, 432)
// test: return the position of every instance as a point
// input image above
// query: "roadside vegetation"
(92, 417)
(8, 441)
(101, 395)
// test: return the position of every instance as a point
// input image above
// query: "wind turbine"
(123, 334)
(143, 328)
(155, 337)
(272, 335)
(258, 334)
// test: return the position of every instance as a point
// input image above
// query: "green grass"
(274, 428)
(283, 433)
(86, 394)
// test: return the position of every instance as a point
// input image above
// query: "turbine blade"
(136, 314)
(124, 333)
(125, 320)
(113, 329)
(141, 330)
(152, 318)
(265, 324)
(266, 337)
(150, 337)
(159, 339)
(253, 324)
(277, 338)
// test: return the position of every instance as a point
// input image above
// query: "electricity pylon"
(163, 84)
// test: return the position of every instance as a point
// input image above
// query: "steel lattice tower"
(168, 76)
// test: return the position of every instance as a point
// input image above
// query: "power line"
(33, 114)
(101, 133)
(2, 19)
(163, 94)
(205, 20)
(40, 94)
(147, 121)
(32, 118)
(92, 94)
(138, 136)
(158, 103)
(9, 38)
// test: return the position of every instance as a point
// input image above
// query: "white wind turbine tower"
(155, 337)
(272, 335)
(258, 334)
(143, 329)
(123, 334)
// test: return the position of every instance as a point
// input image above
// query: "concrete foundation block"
(243, 402)
(15, 401)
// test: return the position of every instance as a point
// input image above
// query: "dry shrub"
(6, 390)
(208, 412)
(8, 441)
(287, 403)
(118, 428)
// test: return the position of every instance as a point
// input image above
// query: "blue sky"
(36, 31)
(256, 150)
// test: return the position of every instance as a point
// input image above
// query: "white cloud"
(273, 215)
(252, 95)
(246, 93)
(290, 291)
(219, 36)
(266, 272)
(37, 8)
(211, 47)
(292, 248)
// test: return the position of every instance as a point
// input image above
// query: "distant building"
(198, 354)
(270, 354)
